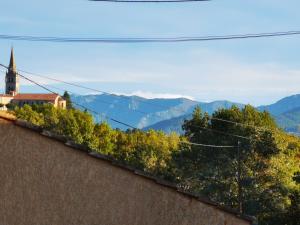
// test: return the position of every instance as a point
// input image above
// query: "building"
(12, 79)
(12, 91)
(48, 179)
(31, 99)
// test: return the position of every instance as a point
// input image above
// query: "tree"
(150, 151)
(296, 177)
(28, 114)
(213, 172)
(269, 159)
(11, 106)
(67, 97)
(293, 212)
(104, 138)
(73, 123)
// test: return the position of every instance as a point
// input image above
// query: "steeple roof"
(12, 64)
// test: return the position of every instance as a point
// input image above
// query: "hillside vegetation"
(269, 161)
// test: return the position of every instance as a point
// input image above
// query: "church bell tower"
(12, 84)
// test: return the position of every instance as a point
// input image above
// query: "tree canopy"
(259, 175)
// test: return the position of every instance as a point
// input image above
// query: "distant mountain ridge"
(141, 112)
(284, 105)
(136, 111)
(171, 125)
(168, 114)
(290, 120)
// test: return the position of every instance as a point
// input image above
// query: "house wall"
(4, 100)
(60, 103)
(45, 182)
(31, 102)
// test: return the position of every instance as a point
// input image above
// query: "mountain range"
(168, 114)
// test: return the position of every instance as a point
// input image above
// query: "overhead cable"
(201, 127)
(120, 122)
(93, 89)
(146, 39)
(149, 1)
(152, 104)
(212, 146)
(244, 124)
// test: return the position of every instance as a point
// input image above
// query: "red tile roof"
(46, 97)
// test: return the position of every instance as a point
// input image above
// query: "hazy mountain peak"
(168, 114)
(283, 105)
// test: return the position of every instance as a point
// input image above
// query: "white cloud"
(151, 95)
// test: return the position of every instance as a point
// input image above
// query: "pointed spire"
(12, 64)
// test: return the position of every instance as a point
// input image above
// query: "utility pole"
(239, 171)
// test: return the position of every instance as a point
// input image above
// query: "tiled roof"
(65, 140)
(5, 95)
(46, 97)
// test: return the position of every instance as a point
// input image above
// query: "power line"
(222, 132)
(142, 112)
(47, 89)
(100, 100)
(112, 119)
(244, 124)
(149, 1)
(204, 145)
(84, 107)
(120, 122)
(157, 105)
(201, 127)
(91, 89)
(32, 81)
(183, 142)
(133, 127)
(146, 39)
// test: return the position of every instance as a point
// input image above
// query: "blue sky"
(256, 71)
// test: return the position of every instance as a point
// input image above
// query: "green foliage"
(266, 177)
(73, 123)
(296, 177)
(104, 138)
(28, 114)
(11, 106)
(293, 212)
(67, 97)
(150, 151)
(269, 158)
